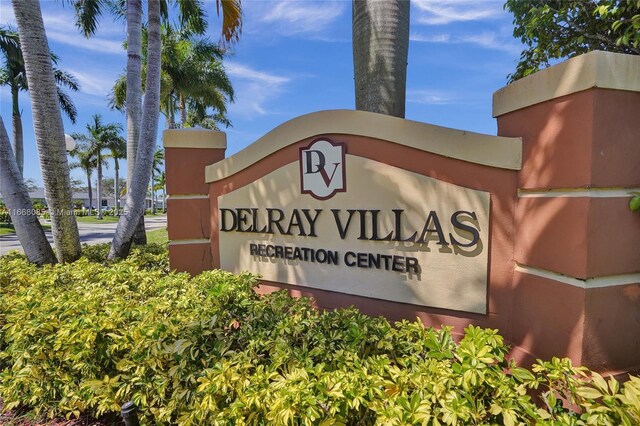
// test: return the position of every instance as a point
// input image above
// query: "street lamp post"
(70, 143)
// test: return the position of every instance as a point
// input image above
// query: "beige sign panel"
(391, 234)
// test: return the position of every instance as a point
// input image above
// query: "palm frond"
(88, 13)
(66, 105)
(9, 40)
(66, 79)
(193, 18)
(118, 96)
(231, 20)
(118, 8)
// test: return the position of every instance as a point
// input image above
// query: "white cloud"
(429, 97)
(60, 27)
(93, 83)
(94, 44)
(254, 88)
(487, 40)
(437, 38)
(298, 17)
(441, 12)
(246, 73)
(6, 14)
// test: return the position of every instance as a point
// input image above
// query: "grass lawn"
(94, 219)
(158, 236)
(6, 229)
(106, 219)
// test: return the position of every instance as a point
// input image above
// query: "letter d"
(310, 164)
(223, 220)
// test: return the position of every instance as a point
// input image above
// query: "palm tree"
(193, 81)
(380, 50)
(84, 153)
(193, 69)
(13, 74)
(118, 148)
(49, 132)
(134, 204)
(156, 169)
(139, 158)
(100, 137)
(16, 197)
(160, 184)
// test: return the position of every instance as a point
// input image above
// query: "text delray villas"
(459, 229)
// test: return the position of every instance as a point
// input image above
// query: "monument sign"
(528, 232)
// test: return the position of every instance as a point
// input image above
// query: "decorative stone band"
(188, 197)
(495, 151)
(190, 241)
(194, 138)
(597, 282)
(604, 70)
(577, 193)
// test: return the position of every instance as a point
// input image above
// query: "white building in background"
(108, 202)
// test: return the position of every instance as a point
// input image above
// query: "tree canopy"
(556, 29)
(193, 81)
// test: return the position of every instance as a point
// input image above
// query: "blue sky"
(294, 57)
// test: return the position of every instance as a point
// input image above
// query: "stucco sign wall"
(406, 219)
(353, 225)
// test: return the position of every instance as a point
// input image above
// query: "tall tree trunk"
(171, 118)
(16, 197)
(116, 187)
(16, 122)
(134, 98)
(49, 131)
(135, 203)
(90, 192)
(153, 192)
(183, 111)
(140, 234)
(380, 51)
(99, 185)
(134, 83)
(164, 198)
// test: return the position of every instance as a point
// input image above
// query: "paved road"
(91, 233)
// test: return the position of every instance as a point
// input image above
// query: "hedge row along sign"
(348, 224)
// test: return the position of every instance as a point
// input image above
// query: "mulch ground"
(17, 418)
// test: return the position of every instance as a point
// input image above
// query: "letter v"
(325, 176)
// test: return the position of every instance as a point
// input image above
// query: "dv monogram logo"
(322, 169)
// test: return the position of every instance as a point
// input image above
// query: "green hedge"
(87, 337)
(4, 215)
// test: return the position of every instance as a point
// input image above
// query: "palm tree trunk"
(380, 50)
(153, 192)
(90, 191)
(134, 97)
(164, 198)
(115, 187)
(183, 111)
(135, 203)
(16, 197)
(140, 234)
(16, 122)
(49, 131)
(134, 82)
(171, 118)
(99, 185)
